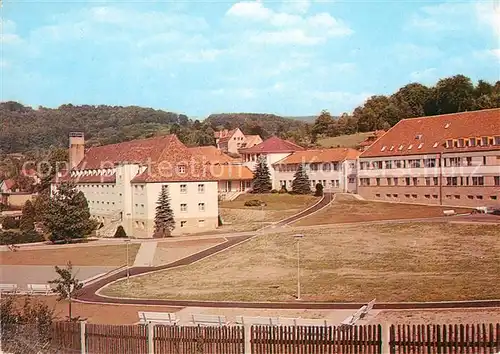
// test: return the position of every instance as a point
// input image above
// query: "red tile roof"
(231, 172)
(320, 155)
(428, 135)
(272, 145)
(212, 155)
(227, 136)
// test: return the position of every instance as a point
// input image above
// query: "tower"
(76, 148)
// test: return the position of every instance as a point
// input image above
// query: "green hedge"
(12, 237)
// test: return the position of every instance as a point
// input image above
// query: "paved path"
(146, 254)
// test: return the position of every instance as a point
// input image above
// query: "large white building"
(122, 183)
(334, 168)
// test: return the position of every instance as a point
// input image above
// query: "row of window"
(184, 207)
(184, 189)
(333, 183)
(435, 196)
(182, 224)
(472, 142)
(427, 163)
(430, 181)
(327, 167)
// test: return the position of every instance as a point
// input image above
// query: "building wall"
(235, 141)
(190, 221)
(16, 200)
(235, 186)
(332, 180)
(456, 179)
(250, 160)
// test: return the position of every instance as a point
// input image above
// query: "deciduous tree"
(28, 217)
(67, 286)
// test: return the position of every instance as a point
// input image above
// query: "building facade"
(122, 183)
(451, 159)
(231, 141)
(334, 168)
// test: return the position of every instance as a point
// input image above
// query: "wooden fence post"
(386, 339)
(83, 341)
(247, 331)
(150, 335)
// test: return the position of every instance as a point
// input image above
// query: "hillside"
(264, 125)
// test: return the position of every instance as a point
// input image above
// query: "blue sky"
(202, 57)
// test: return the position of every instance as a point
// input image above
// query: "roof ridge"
(449, 114)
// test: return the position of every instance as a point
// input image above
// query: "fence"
(367, 339)
(450, 339)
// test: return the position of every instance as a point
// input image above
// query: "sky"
(200, 57)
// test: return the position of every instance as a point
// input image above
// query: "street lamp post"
(298, 237)
(127, 241)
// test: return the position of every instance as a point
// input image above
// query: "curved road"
(89, 292)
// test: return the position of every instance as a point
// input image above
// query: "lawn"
(278, 207)
(114, 255)
(390, 262)
(347, 209)
(351, 140)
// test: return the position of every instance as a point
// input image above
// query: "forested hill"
(26, 129)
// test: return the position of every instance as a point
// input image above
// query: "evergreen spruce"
(68, 215)
(164, 219)
(28, 217)
(261, 177)
(300, 183)
(120, 232)
(319, 190)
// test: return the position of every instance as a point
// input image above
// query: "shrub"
(254, 203)
(120, 232)
(10, 223)
(283, 190)
(15, 237)
(274, 191)
(319, 190)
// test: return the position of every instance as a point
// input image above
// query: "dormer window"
(449, 143)
(420, 145)
(181, 169)
(497, 140)
(472, 142)
(461, 143)
(410, 147)
(418, 136)
(392, 148)
(484, 141)
(435, 144)
(400, 147)
(383, 148)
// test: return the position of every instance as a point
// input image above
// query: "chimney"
(76, 148)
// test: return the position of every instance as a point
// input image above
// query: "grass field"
(391, 262)
(347, 209)
(278, 207)
(80, 256)
(351, 140)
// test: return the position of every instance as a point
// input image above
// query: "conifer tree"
(300, 183)
(261, 177)
(28, 217)
(120, 232)
(68, 215)
(164, 219)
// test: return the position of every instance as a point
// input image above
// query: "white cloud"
(293, 28)
(488, 54)
(425, 75)
(298, 6)
(7, 32)
(243, 92)
(488, 13)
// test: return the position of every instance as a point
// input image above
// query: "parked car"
(496, 212)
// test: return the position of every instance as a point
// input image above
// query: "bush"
(15, 237)
(274, 191)
(283, 190)
(120, 232)
(10, 223)
(319, 190)
(254, 203)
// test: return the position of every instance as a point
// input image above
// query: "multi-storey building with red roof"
(451, 159)
(333, 168)
(232, 141)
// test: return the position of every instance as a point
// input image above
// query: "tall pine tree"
(300, 183)
(261, 177)
(164, 218)
(28, 217)
(68, 215)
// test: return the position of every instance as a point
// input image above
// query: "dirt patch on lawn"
(114, 255)
(347, 209)
(168, 252)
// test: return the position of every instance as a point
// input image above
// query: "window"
(427, 196)
(378, 181)
(388, 164)
(377, 165)
(472, 142)
(414, 163)
(201, 223)
(396, 181)
(457, 196)
(429, 162)
(455, 162)
(415, 181)
(183, 223)
(493, 197)
(414, 196)
(313, 166)
(484, 160)
(470, 196)
(427, 181)
(181, 169)
(461, 142)
(478, 181)
(407, 195)
(451, 181)
(364, 165)
(387, 195)
(377, 195)
(448, 196)
(484, 141)
(184, 188)
(497, 140)
(184, 207)
(327, 167)
(398, 164)
(201, 206)
(449, 143)
(407, 181)
(201, 188)
(352, 180)
(480, 197)
(435, 196)
(497, 180)
(389, 181)
(395, 195)
(364, 181)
